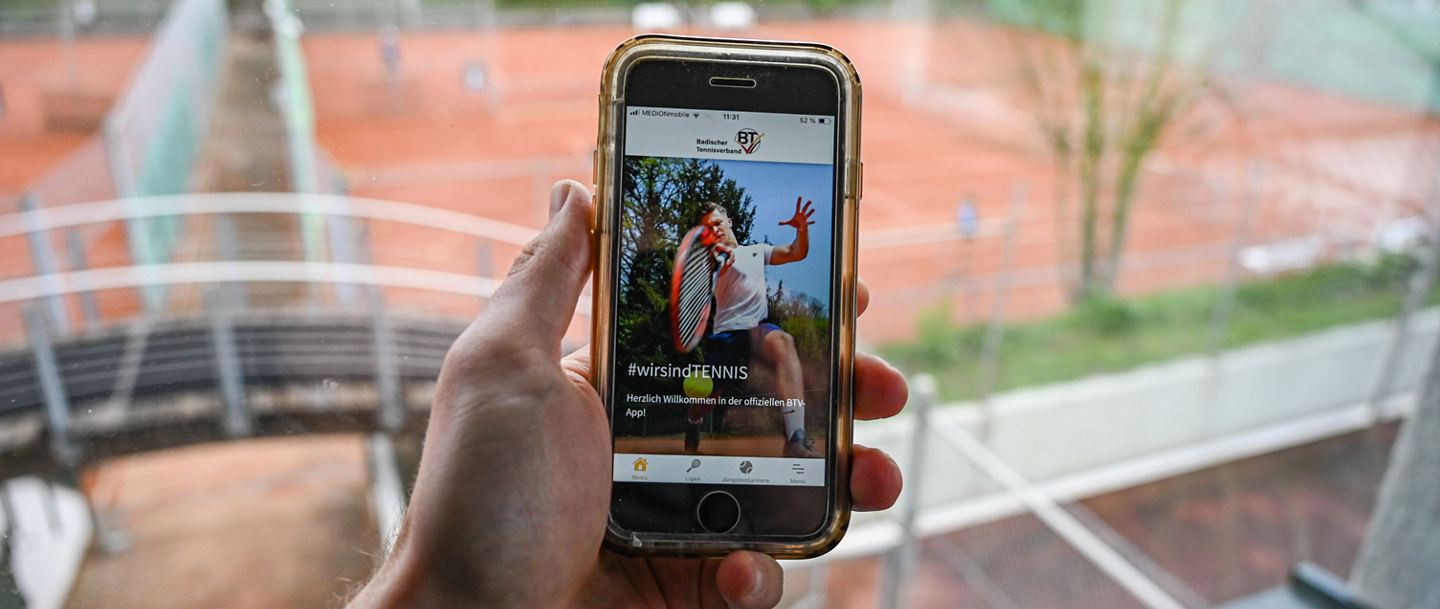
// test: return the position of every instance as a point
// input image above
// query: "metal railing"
(367, 313)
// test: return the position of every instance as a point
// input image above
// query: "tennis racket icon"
(692, 286)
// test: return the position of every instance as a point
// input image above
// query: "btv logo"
(748, 139)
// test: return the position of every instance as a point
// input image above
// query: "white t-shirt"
(740, 302)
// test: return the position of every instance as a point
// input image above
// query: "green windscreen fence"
(1386, 51)
(153, 134)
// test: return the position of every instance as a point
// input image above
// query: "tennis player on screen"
(740, 335)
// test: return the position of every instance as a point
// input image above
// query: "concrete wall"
(1114, 431)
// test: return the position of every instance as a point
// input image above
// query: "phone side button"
(595, 168)
(718, 512)
(860, 183)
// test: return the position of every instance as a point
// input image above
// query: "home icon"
(640, 464)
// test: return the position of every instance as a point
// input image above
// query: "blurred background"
(1162, 271)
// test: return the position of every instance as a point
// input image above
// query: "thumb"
(536, 301)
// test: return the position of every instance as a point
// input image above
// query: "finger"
(862, 297)
(875, 480)
(536, 301)
(880, 389)
(750, 580)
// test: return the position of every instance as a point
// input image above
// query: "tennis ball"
(697, 386)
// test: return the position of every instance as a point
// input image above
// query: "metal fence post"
(1419, 286)
(391, 415)
(42, 256)
(227, 245)
(52, 388)
(342, 249)
(900, 561)
(89, 307)
(228, 372)
(387, 490)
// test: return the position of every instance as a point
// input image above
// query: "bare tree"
(1101, 107)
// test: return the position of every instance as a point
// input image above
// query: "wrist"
(419, 575)
(409, 578)
(401, 581)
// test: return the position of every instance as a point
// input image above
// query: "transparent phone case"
(606, 175)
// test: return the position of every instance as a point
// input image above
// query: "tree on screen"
(662, 199)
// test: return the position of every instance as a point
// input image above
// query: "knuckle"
(494, 357)
(526, 258)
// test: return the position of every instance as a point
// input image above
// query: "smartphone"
(727, 185)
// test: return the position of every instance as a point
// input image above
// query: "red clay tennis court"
(931, 137)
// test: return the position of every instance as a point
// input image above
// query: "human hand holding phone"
(700, 144)
(510, 505)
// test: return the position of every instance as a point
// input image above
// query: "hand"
(724, 253)
(510, 505)
(801, 221)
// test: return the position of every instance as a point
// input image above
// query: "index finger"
(862, 297)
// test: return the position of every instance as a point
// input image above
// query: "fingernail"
(757, 584)
(559, 196)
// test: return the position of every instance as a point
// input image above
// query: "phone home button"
(718, 511)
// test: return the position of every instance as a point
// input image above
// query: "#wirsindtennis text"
(708, 371)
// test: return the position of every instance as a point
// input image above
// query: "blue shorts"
(734, 348)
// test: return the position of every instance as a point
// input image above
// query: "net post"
(900, 561)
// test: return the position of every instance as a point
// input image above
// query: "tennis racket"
(692, 286)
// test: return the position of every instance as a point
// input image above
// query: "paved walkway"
(260, 524)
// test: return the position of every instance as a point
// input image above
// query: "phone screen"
(733, 386)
